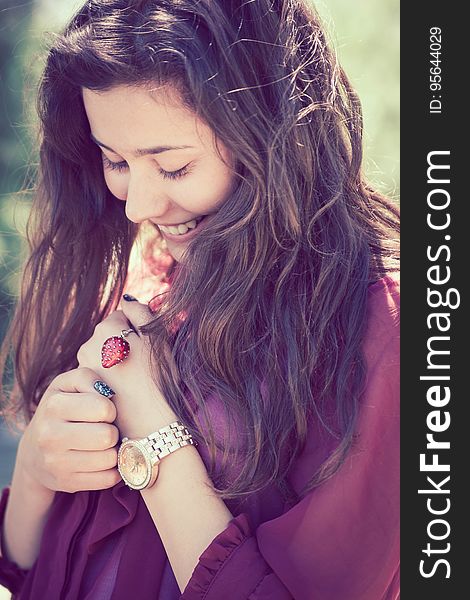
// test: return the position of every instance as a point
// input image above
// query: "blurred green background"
(364, 32)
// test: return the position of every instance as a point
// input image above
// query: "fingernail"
(103, 388)
(128, 298)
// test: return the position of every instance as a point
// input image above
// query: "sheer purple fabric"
(341, 541)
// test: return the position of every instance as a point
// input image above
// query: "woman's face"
(158, 157)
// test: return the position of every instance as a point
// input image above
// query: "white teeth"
(180, 229)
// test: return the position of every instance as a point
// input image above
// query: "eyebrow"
(142, 151)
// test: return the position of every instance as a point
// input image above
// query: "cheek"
(116, 184)
(211, 189)
(222, 187)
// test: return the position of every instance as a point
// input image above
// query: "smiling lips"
(182, 228)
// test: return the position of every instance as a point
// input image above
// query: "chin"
(175, 251)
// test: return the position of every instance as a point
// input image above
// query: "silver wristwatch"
(138, 459)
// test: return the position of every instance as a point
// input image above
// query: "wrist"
(153, 423)
(139, 459)
(26, 512)
(24, 479)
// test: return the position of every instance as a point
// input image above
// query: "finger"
(115, 319)
(80, 379)
(96, 481)
(80, 461)
(137, 314)
(115, 325)
(89, 436)
(103, 389)
(87, 407)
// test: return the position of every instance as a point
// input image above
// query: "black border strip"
(431, 133)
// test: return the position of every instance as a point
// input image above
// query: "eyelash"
(122, 166)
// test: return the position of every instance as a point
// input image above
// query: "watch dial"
(134, 465)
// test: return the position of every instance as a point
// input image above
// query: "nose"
(145, 199)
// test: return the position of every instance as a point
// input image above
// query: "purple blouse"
(341, 541)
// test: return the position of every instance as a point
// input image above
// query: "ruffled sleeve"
(342, 539)
(233, 567)
(11, 575)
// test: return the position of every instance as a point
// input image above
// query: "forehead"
(126, 117)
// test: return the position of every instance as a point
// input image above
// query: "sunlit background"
(366, 36)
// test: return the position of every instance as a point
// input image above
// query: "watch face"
(133, 465)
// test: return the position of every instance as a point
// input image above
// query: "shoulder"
(384, 297)
(381, 351)
(379, 414)
(383, 317)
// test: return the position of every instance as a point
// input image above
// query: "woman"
(269, 350)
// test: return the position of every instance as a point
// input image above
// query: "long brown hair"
(274, 291)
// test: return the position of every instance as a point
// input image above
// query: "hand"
(141, 407)
(69, 444)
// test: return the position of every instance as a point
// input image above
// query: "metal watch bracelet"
(168, 439)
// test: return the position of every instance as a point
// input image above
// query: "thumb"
(136, 312)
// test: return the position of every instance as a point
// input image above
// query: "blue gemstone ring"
(103, 388)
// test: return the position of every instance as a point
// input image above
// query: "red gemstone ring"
(115, 349)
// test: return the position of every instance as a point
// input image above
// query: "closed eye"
(114, 166)
(123, 166)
